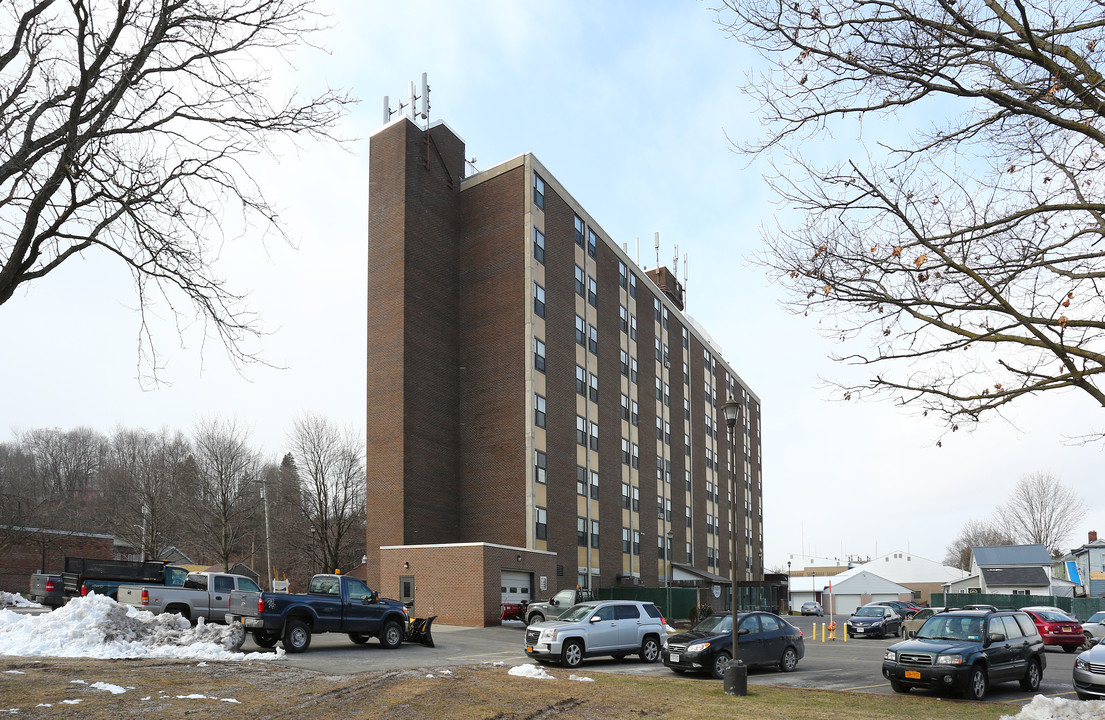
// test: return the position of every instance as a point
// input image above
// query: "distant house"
(1012, 570)
(920, 575)
(842, 595)
(1086, 566)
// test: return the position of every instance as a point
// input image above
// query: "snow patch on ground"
(530, 671)
(1045, 708)
(8, 599)
(580, 678)
(96, 626)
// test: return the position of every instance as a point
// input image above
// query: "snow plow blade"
(419, 631)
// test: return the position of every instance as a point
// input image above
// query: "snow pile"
(1045, 708)
(530, 671)
(8, 599)
(580, 678)
(96, 626)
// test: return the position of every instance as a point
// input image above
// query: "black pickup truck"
(103, 577)
(333, 603)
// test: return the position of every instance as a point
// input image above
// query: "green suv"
(964, 651)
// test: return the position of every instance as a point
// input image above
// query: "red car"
(1058, 629)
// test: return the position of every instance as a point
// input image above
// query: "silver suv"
(598, 627)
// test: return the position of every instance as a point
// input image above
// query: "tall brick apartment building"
(541, 411)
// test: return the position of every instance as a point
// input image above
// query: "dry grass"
(268, 690)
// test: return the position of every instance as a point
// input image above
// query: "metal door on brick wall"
(516, 586)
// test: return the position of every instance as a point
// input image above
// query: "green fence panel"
(682, 599)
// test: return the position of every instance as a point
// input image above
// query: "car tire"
(1031, 680)
(899, 687)
(977, 684)
(650, 649)
(789, 661)
(721, 660)
(535, 618)
(297, 636)
(265, 639)
(572, 654)
(1088, 642)
(391, 636)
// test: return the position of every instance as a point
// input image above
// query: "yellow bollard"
(822, 632)
(845, 633)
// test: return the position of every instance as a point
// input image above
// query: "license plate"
(859, 630)
(674, 657)
(913, 674)
(1066, 630)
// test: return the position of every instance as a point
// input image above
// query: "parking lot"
(854, 665)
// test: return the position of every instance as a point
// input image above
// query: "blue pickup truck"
(333, 603)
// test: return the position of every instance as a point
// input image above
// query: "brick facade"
(45, 551)
(454, 281)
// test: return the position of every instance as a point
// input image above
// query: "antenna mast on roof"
(657, 249)
(686, 272)
(675, 263)
(412, 98)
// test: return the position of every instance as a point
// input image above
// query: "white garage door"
(516, 586)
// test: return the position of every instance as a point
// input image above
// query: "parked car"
(1089, 673)
(812, 608)
(557, 605)
(1058, 629)
(905, 609)
(598, 627)
(1094, 627)
(912, 625)
(872, 620)
(1051, 609)
(965, 651)
(764, 639)
(47, 589)
(103, 577)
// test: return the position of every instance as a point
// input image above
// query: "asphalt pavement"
(853, 665)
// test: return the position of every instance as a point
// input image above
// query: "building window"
(539, 411)
(659, 353)
(538, 300)
(540, 466)
(594, 533)
(660, 547)
(686, 374)
(665, 318)
(538, 355)
(594, 436)
(594, 485)
(581, 330)
(659, 390)
(623, 318)
(623, 274)
(581, 431)
(686, 339)
(594, 387)
(581, 480)
(592, 292)
(636, 542)
(633, 370)
(581, 381)
(627, 545)
(581, 531)
(667, 395)
(593, 339)
(636, 457)
(539, 246)
(632, 285)
(634, 415)
(542, 530)
(624, 359)
(625, 407)
(538, 191)
(667, 509)
(581, 278)
(632, 327)
(659, 429)
(579, 227)
(592, 242)
(625, 451)
(656, 308)
(625, 496)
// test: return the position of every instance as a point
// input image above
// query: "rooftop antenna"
(657, 243)
(423, 110)
(686, 273)
(675, 263)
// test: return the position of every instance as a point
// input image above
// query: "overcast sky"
(628, 104)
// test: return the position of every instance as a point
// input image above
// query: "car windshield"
(1053, 616)
(943, 627)
(870, 612)
(716, 624)
(576, 612)
(1097, 617)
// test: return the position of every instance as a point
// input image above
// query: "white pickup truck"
(204, 594)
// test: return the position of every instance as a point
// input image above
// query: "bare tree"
(123, 126)
(966, 256)
(1043, 511)
(331, 468)
(976, 533)
(227, 493)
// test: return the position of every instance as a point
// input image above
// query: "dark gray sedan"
(765, 640)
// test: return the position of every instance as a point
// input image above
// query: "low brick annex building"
(542, 413)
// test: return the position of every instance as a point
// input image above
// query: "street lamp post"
(668, 551)
(735, 677)
(788, 588)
